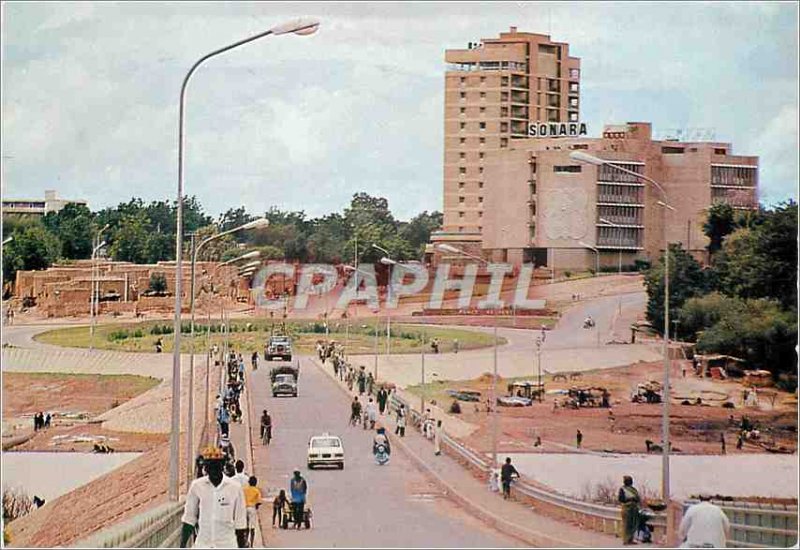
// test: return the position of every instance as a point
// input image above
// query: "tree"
(417, 232)
(235, 217)
(73, 225)
(686, 280)
(157, 283)
(719, 223)
(131, 239)
(761, 261)
(33, 247)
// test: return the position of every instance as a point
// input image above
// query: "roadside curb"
(521, 533)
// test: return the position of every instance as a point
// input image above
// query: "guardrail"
(752, 525)
(159, 527)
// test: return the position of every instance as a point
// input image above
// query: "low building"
(37, 207)
(542, 206)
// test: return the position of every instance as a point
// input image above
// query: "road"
(364, 505)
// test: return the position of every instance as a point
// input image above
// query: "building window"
(481, 155)
(463, 110)
(483, 95)
(462, 141)
(504, 126)
(460, 185)
(572, 168)
(461, 200)
(503, 111)
(573, 117)
(720, 151)
(480, 228)
(483, 109)
(460, 228)
(463, 125)
(503, 142)
(672, 150)
(503, 96)
(573, 87)
(460, 214)
(482, 126)
(462, 170)
(480, 200)
(580, 146)
(573, 101)
(463, 80)
(504, 81)
(480, 170)
(462, 155)
(482, 140)
(480, 213)
(574, 73)
(483, 80)
(463, 96)
(480, 185)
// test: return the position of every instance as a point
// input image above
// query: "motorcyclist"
(589, 322)
(381, 439)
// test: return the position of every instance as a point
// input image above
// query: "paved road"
(364, 505)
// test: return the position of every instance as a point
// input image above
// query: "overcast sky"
(90, 93)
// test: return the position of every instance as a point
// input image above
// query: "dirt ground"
(626, 425)
(73, 400)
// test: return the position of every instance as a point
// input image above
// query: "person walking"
(578, 438)
(372, 414)
(252, 501)
(224, 420)
(370, 383)
(628, 497)
(437, 438)
(362, 381)
(507, 473)
(240, 476)
(704, 525)
(382, 398)
(215, 507)
(355, 411)
(298, 488)
(277, 508)
(722, 442)
(455, 345)
(401, 421)
(47, 419)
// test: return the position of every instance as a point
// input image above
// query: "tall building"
(547, 208)
(493, 90)
(37, 207)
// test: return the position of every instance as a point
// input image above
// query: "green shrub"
(121, 334)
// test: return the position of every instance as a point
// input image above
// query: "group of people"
(41, 421)
(228, 406)
(221, 506)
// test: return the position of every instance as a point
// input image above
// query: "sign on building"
(556, 129)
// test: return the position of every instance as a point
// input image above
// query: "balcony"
(519, 112)
(519, 97)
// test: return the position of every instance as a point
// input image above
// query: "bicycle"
(266, 434)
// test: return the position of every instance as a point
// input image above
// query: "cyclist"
(266, 427)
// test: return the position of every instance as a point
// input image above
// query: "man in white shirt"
(704, 525)
(215, 504)
(241, 477)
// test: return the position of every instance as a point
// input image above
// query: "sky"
(90, 93)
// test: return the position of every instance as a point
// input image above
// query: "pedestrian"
(252, 501)
(722, 441)
(455, 345)
(578, 438)
(240, 475)
(437, 438)
(704, 525)
(47, 419)
(362, 381)
(629, 499)
(401, 421)
(507, 473)
(538, 442)
(372, 414)
(740, 441)
(277, 508)
(224, 419)
(382, 398)
(199, 465)
(370, 383)
(36, 425)
(544, 334)
(298, 488)
(215, 505)
(355, 411)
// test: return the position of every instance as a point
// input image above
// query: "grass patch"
(249, 336)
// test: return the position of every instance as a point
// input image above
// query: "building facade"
(37, 207)
(493, 90)
(543, 206)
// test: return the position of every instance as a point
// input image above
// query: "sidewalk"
(508, 517)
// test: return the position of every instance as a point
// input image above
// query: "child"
(277, 508)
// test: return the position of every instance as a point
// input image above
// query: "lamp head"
(580, 156)
(303, 26)
(256, 224)
(387, 261)
(448, 248)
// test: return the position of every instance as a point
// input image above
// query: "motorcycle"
(381, 455)
(588, 323)
(644, 533)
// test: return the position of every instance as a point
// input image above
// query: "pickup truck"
(284, 380)
(280, 347)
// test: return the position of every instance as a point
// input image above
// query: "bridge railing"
(752, 525)
(159, 527)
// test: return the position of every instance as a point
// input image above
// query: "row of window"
(461, 185)
(463, 170)
(734, 175)
(619, 236)
(461, 200)
(619, 194)
(463, 155)
(482, 141)
(621, 215)
(738, 198)
(607, 172)
(489, 66)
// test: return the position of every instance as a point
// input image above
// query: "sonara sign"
(557, 129)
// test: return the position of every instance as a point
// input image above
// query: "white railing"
(159, 527)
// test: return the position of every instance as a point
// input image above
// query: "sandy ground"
(694, 429)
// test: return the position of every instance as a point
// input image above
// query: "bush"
(568, 274)
(455, 408)
(116, 335)
(641, 265)
(138, 333)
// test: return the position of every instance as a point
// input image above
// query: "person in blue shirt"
(298, 489)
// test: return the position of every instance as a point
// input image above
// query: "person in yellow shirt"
(252, 500)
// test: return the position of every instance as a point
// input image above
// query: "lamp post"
(580, 156)
(95, 284)
(95, 289)
(301, 27)
(596, 256)
(454, 250)
(386, 260)
(195, 250)
(356, 271)
(390, 262)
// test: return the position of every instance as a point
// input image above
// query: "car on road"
(284, 384)
(325, 450)
(280, 347)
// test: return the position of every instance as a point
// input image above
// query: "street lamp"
(604, 221)
(452, 249)
(386, 260)
(248, 256)
(301, 27)
(580, 156)
(8, 240)
(93, 302)
(255, 224)
(596, 256)
(356, 271)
